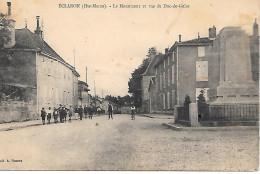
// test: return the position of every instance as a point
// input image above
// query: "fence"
(183, 113)
(234, 112)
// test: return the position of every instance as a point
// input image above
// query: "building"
(146, 77)
(84, 98)
(181, 71)
(33, 75)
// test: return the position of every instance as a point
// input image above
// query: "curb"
(174, 127)
(143, 115)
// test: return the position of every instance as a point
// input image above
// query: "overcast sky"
(113, 42)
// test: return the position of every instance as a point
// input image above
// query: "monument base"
(227, 93)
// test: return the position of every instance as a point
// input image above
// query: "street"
(125, 144)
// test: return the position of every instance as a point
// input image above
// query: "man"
(133, 112)
(90, 110)
(76, 112)
(70, 113)
(55, 115)
(86, 111)
(63, 114)
(110, 111)
(80, 110)
(43, 115)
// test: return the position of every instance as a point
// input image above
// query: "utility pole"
(74, 52)
(95, 92)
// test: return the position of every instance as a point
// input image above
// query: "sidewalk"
(179, 127)
(160, 116)
(24, 124)
(19, 125)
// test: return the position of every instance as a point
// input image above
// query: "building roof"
(150, 68)
(25, 39)
(192, 42)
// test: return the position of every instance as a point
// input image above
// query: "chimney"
(9, 8)
(38, 30)
(179, 38)
(255, 29)
(199, 35)
(212, 32)
(166, 50)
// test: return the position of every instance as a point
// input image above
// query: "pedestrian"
(70, 113)
(80, 110)
(55, 115)
(90, 110)
(60, 113)
(133, 112)
(98, 111)
(43, 115)
(63, 114)
(49, 112)
(86, 111)
(110, 111)
(76, 112)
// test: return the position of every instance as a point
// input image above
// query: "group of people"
(62, 112)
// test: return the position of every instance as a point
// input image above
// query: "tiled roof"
(25, 39)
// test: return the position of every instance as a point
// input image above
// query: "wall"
(56, 84)
(18, 67)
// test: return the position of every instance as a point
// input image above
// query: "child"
(49, 115)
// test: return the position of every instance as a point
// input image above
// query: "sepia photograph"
(129, 85)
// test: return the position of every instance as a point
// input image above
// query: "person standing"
(110, 111)
(80, 110)
(60, 113)
(70, 113)
(76, 112)
(43, 115)
(63, 114)
(98, 111)
(133, 112)
(90, 110)
(55, 115)
(49, 112)
(86, 111)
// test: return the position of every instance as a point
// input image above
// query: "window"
(156, 69)
(202, 70)
(173, 97)
(169, 79)
(173, 74)
(168, 100)
(205, 93)
(164, 104)
(163, 80)
(168, 60)
(164, 63)
(201, 51)
(174, 54)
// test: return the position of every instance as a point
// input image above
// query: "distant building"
(84, 98)
(146, 77)
(34, 75)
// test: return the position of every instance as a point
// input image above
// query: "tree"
(187, 101)
(201, 98)
(134, 83)
(5, 33)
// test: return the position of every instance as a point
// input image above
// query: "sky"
(112, 42)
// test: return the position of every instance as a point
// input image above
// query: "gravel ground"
(124, 144)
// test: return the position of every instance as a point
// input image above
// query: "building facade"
(35, 74)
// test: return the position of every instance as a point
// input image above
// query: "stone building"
(33, 75)
(181, 71)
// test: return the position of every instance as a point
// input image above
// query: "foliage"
(187, 100)
(201, 98)
(126, 100)
(134, 83)
(5, 33)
